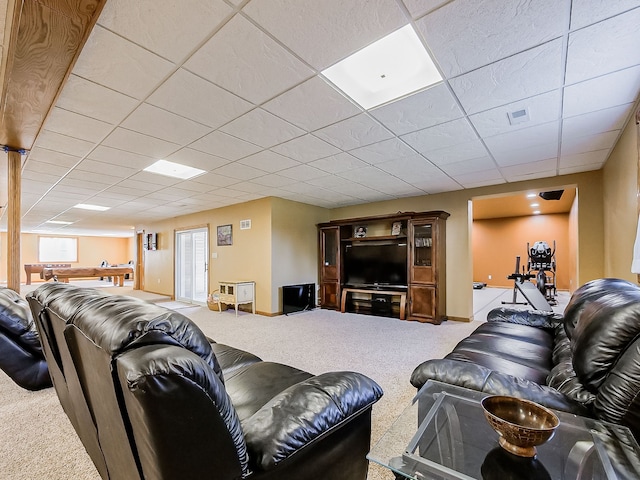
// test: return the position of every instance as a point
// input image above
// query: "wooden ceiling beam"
(45, 40)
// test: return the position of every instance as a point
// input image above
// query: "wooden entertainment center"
(391, 265)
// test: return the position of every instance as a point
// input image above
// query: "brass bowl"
(521, 424)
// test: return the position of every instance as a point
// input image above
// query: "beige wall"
(620, 177)
(279, 249)
(91, 252)
(497, 242)
(294, 246)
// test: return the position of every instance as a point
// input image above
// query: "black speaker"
(553, 195)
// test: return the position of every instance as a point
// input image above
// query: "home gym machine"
(543, 261)
(540, 295)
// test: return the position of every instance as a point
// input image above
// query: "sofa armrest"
(306, 412)
(532, 318)
(476, 377)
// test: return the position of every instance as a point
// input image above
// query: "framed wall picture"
(225, 235)
(396, 228)
(360, 231)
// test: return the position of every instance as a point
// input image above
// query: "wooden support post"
(13, 221)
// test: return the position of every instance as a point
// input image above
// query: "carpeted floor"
(37, 440)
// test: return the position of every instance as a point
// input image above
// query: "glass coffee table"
(444, 435)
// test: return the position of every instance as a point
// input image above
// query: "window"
(57, 249)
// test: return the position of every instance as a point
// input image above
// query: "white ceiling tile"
(140, 186)
(586, 158)
(458, 153)
(274, 180)
(469, 166)
(589, 143)
(35, 166)
(518, 156)
(154, 178)
(88, 98)
(114, 62)
(215, 180)
(354, 132)
(139, 143)
(609, 90)
(159, 123)
(92, 176)
(169, 29)
(410, 169)
(579, 169)
(417, 8)
(40, 177)
(44, 155)
(523, 75)
(256, 67)
(262, 128)
(197, 159)
(306, 149)
(317, 96)
(193, 187)
(383, 151)
(490, 176)
(531, 176)
(586, 12)
(302, 173)
(545, 134)
(239, 171)
(324, 32)
(497, 30)
(438, 183)
(102, 168)
(63, 143)
(120, 157)
(341, 162)
(198, 99)
(541, 109)
(269, 161)
(423, 109)
(441, 136)
(75, 125)
(225, 146)
(616, 48)
(517, 171)
(596, 122)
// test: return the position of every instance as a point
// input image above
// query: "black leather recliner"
(21, 356)
(586, 361)
(167, 402)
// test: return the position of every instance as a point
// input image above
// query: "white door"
(192, 247)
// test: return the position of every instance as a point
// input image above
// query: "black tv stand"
(375, 298)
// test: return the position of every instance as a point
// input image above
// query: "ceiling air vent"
(518, 116)
(245, 224)
(553, 195)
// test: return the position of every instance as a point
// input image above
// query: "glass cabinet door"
(330, 247)
(423, 245)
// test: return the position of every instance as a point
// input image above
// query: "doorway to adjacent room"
(192, 255)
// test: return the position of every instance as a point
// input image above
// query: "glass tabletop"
(443, 434)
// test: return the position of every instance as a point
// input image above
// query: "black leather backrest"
(181, 417)
(586, 294)
(16, 322)
(606, 354)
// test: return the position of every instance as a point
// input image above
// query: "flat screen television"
(297, 298)
(374, 264)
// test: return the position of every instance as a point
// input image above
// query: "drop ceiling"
(234, 88)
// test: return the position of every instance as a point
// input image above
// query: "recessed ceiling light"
(86, 206)
(58, 222)
(531, 195)
(390, 68)
(534, 205)
(171, 169)
(536, 212)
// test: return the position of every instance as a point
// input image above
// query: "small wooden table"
(118, 273)
(236, 293)
(402, 295)
(37, 268)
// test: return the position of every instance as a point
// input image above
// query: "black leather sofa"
(21, 356)
(586, 361)
(151, 397)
